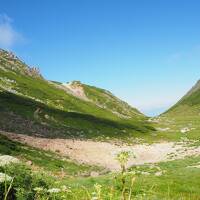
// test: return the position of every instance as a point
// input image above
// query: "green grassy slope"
(32, 105)
(107, 100)
(182, 119)
(187, 110)
(190, 102)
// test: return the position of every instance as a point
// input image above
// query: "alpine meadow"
(113, 110)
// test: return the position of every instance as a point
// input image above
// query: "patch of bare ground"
(104, 153)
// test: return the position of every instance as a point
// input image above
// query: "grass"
(178, 181)
(109, 101)
(68, 124)
(183, 116)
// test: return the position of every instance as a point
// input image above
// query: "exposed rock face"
(15, 64)
(34, 71)
(8, 54)
(76, 88)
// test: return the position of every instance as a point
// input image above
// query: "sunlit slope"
(32, 105)
(181, 121)
(189, 105)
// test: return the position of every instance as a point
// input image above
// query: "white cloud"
(8, 35)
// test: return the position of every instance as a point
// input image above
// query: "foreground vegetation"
(177, 179)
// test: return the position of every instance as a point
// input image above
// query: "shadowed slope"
(32, 105)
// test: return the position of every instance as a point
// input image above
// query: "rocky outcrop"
(76, 89)
(11, 62)
(34, 72)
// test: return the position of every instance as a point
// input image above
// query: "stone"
(185, 130)
(29, 162)
(94, 174)
(158, 173)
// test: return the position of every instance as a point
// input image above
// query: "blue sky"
(145, 52)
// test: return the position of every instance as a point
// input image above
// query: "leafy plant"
(123, 158)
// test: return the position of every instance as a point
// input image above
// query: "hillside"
(190, 103)
(32, 105)
(102, 99)
(181, 121)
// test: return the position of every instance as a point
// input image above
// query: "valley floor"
(103, 154)
(160, 171)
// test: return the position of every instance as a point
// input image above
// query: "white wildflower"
(64, 188)
(38, 189)
(54, 190)
(5, 160)
(4, 177)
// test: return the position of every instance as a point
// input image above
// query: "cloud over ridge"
(8, 35)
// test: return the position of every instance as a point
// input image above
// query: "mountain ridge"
(25, 94)
(190, 101)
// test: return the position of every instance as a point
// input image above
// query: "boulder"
(29, 162)
(185, 130)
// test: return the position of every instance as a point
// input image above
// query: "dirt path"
(104, 153)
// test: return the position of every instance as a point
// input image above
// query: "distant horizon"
(147, 53)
